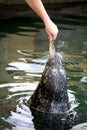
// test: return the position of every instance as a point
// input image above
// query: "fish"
(51, 94)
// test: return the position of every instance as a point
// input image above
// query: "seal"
(51, 95)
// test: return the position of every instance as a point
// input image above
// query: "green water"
(23, 54)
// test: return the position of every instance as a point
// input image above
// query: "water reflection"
(3, 61)
(49, 122)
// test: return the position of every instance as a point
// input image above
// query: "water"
(23, 54)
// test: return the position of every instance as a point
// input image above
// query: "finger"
(50, 37)
(53, 37)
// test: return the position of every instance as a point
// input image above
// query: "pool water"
(23, 54)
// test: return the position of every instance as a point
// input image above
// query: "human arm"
(50, 27)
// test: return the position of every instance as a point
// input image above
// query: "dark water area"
(23, 54)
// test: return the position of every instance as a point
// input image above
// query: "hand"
(51, 30)
(50, 27)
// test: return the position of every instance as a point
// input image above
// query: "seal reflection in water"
(51, 94)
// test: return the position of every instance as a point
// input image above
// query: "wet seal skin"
(51, 95)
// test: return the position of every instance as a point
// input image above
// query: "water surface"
(23, 54)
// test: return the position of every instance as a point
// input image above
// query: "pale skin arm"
(50, 27)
